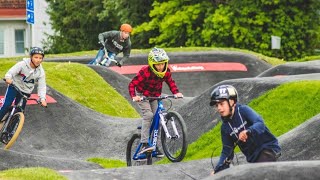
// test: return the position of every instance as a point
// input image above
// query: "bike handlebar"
(144, 98)
(24, 96)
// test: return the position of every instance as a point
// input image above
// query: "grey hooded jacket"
(25, 77)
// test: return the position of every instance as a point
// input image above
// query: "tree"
(133, 12)
(76, 25)
(249, 25)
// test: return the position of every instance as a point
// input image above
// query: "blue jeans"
(100, 55)
(11, 94)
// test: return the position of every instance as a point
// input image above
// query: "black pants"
(267, 155)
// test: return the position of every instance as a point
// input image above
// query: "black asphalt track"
(65, 134)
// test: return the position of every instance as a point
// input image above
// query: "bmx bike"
(13, 121)
(105, 61)
(173, 136)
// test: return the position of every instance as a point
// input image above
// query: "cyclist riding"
(242, 126)
(114, 42)
(24, 75)
(148, 82)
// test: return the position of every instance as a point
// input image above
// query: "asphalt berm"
(64, 135)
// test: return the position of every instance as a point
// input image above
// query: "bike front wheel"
(175, 147)
(13, 129)
(132, 148)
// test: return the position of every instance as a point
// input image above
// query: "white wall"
(38, 29)
(9, 28)
(41, 25)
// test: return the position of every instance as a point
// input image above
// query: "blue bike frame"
(153, 137)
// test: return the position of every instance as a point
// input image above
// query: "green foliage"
(249, 25)
(240, 24)
(175, 23)
(219, 23)
(34, 173)
(76, 25)
(133, 12)
(108, 163)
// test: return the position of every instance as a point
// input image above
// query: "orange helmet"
(126, 28)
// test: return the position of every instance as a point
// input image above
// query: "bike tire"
(175, 148)
(131, 148)
(15, 126)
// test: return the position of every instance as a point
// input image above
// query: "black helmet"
(223, 92)
(36, 50)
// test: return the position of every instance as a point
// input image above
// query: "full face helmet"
(224, 92)
(158, 56)
(36, 50)
(126, 28)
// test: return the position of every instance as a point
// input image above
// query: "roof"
(12, 4)
(12, 9)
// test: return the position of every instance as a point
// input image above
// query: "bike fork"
(164, 126)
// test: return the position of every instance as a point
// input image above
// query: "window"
(1, 42)
(19, 35)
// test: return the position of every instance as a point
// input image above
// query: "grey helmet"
(223, 92)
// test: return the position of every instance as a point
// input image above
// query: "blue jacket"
(261, 138)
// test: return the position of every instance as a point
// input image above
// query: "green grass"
(108, 163)
(310, 58)
(84, 85)
(35, 173)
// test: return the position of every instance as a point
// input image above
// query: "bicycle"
(106, 61)
(173, 136)
(13, 121)
(226, 163)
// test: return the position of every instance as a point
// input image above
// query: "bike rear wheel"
(131, 150)
(14, 128)
(175, 148)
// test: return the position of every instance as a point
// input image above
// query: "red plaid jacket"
(149, 84)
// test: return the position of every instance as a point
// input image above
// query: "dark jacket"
(260, 138)
(111, 40)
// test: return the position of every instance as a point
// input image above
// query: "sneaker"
(159, 154)
(145, 148)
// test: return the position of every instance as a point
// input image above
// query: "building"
(16, 36)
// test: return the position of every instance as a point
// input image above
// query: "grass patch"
(282, 109)
(108, 163)
(31, 174)
(84, 85)
(309, 58)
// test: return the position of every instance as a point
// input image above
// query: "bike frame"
(158, 118)
(14, 107)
